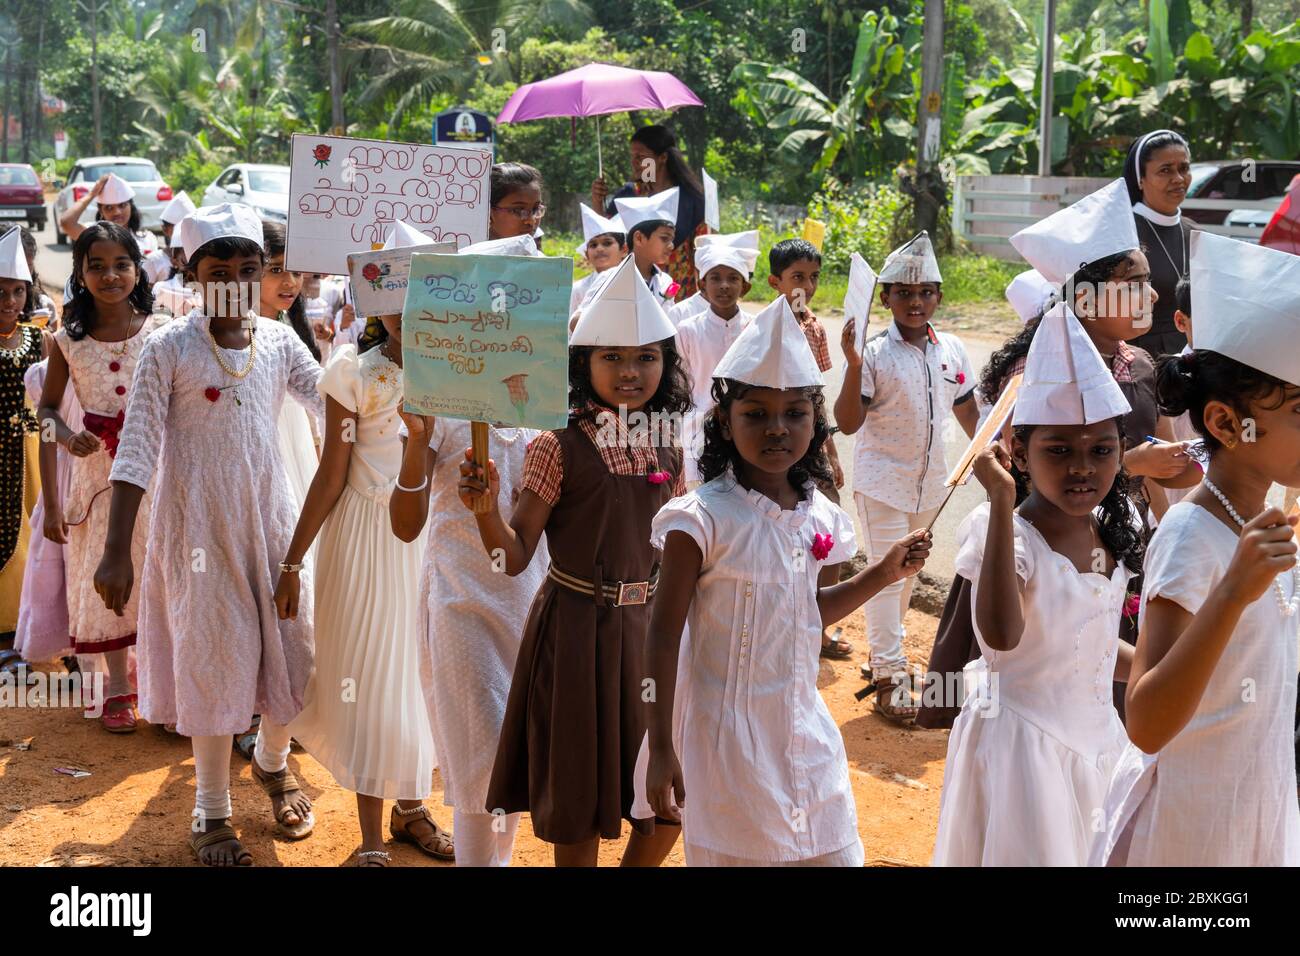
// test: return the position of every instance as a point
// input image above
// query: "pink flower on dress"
(1131, 604)
(658, 477)
(961, 378)
(821, 546)
(672, 290)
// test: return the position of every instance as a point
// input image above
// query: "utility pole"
(1045, 88)
(9, 85)
(336, 76)
(929, 182)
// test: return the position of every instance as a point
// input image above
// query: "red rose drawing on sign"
(375, 275)
(322, 155)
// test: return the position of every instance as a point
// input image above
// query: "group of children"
(585, 629)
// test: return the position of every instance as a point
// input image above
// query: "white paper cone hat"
(222, 221)
(772, 352)
(403, 235)
(639, 209)
(1246, 300)
(13, 261)
(513, 246)
(1098, 225)
(594, 224)
(736, 249)
(115, 191)
(177, 238)
(1029, 294)
(176, 210)
(912, 262)
(1066, 382)
(623, 312)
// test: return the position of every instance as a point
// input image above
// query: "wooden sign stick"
(478, 433)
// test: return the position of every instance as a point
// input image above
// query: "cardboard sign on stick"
(857, 298)
(485, 338)
(379, 277)
(345, 194)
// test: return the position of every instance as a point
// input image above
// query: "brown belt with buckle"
(618, 593)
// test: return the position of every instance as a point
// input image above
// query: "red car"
(1283, 230)
(21, 195)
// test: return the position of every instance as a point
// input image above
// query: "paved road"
(55, 265)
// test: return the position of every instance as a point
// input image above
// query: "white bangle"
(420, 487)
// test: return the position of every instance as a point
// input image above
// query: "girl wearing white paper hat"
(574, 724)
(1049, 558)
(742, 747)
(212, 383)
(105, 326)
(1209, 776)
(117, 205)
(22, 345)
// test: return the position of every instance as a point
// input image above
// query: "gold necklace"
(216, 353)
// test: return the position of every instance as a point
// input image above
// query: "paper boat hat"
(176, 210)
(736, 249)
(639, 209)
(13, 261)
(115, 191)
(1066, 382)
(1246, 299)
(403, 235)
(1098, 225)
(772, 352)
(622, 312)
(912, 262)
(1029, 294)
(523, 245)
(594, 224)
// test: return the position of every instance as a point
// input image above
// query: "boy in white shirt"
(897, 396)
(604, 245)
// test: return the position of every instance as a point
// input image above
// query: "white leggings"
(212, 766)
(478, 843)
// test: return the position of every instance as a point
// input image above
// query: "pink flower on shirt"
(821, 546)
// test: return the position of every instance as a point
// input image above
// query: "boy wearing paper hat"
(160, 264)
(1015, 791)
(724, 263)
(650, 223)
(604, 244)
(899, 395)
(734, 245)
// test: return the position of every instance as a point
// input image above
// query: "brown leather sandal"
(222, 834)
(278, 784)
(440, 845)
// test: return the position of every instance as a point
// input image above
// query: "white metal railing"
(986, 210)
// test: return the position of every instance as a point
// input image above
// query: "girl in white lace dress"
(364, 717)
(105, 326)
(202, 413)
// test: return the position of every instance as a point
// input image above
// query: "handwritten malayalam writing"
(345, 194)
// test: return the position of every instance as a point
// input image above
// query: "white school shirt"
(762, 759)
(702, 341)
(899, 455)
(580, 290)
(157, 266)
(659, 282)
(1223, 791)
(689, 307)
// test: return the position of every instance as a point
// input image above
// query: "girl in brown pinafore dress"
(954, 642)
(573, 724)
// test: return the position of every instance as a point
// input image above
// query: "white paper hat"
(772, 352)
(1029, 294)
(115, 191)
(1098, 225)
(402, 235)
(1066, 382)
(594, 224)
(13, 261)
(912, 262)
(736, 249)
(639, 209)
(176, 210)
(176, 241)
(623, 312)
(1246, 299)
(513, 246)
(224, 220)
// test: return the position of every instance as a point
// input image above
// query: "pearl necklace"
(1288, 609)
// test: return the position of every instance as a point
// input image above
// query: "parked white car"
(151, 193)
(260, 185)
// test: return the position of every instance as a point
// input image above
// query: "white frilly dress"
(1031, 753)
(364, 716)
(1223, 791)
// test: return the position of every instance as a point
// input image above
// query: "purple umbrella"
(596, 89)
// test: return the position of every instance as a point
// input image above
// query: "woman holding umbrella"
(1157, 172)
(654, 149)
